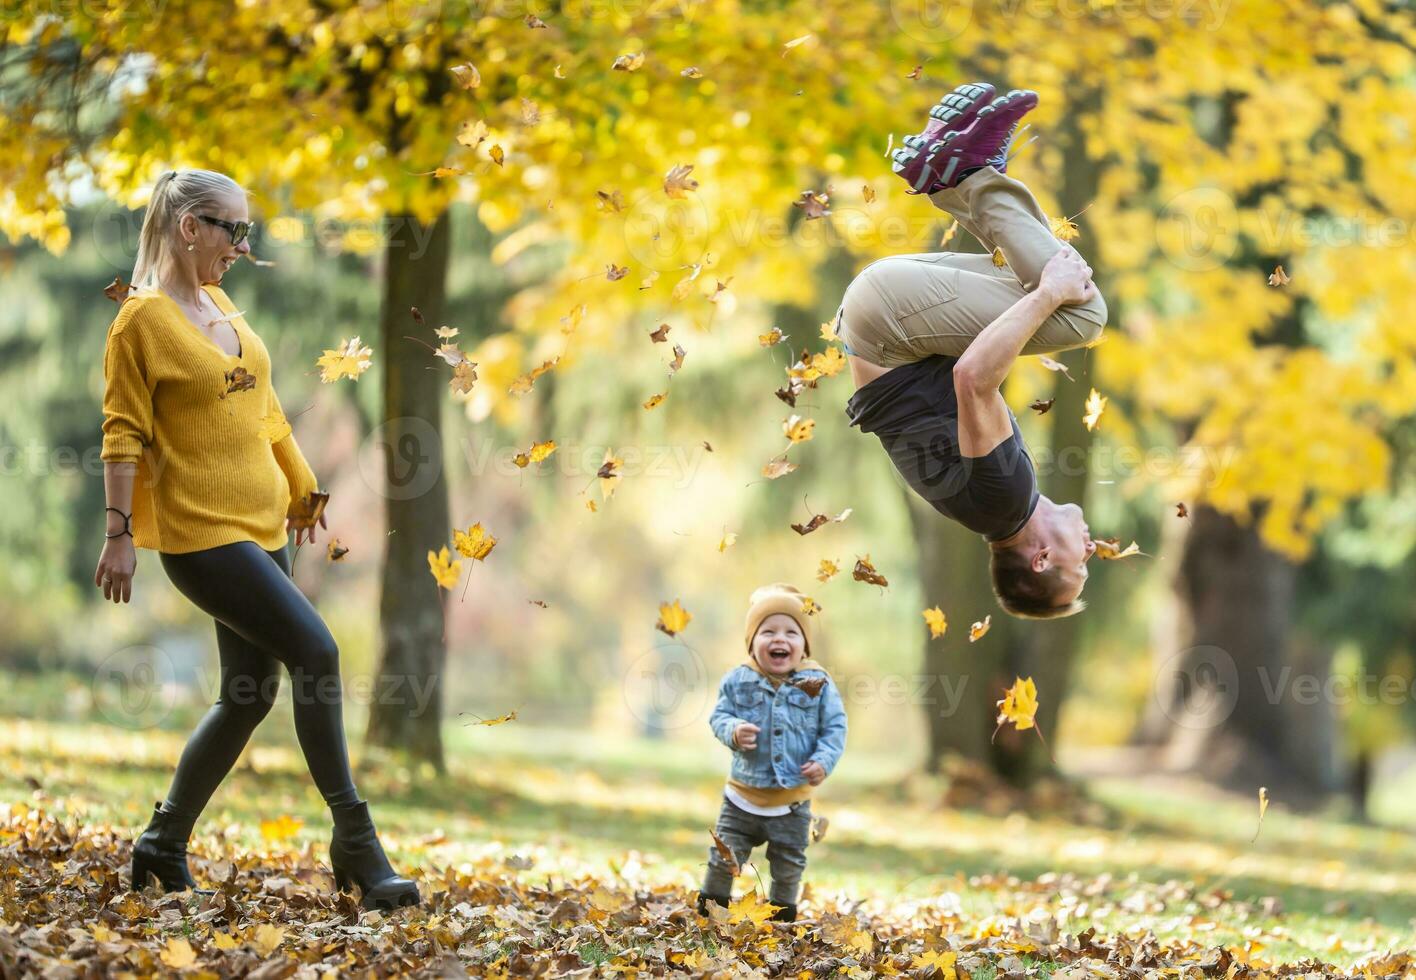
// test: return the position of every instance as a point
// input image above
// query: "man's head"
(1039, 573)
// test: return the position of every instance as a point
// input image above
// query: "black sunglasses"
(239, 229)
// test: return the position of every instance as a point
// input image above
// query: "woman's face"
(213, 254)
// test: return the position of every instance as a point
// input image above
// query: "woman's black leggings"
(262, 621)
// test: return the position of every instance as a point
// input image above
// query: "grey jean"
(786, 837)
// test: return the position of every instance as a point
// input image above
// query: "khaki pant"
(906, 307)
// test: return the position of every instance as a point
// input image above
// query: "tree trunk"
(407, 710)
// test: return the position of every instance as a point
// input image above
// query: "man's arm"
(979, 373)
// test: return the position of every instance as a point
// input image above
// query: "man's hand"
(1066, 278)
(745, 735)
(814, 772)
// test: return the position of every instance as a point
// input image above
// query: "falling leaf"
(1263, 808)
(1096, 404)
(980, 629)
(466, 75)
(827, 570)
(865, 572)
(818, 520)
(558, 73)
(819, 824)
(473, 133)
(918, 71)
(274, 427)
(489, 722)
(949, 234)
(239, 379)
(533, 21)
(1279, 278)
(306, 511)
(677, 363)
(778, 468)
(677, 182)
(771, 338)
(523, 384)
(628, 62)
(614, 273)
(446, 572)
(810, 606)
(811, 685)
(656, 400)
(1067, 230)
(117, 290)
(691, 72)
(798, 429)
(726, 853)
(789, 392)
(867, 192)
(349, 360)
(649, 280)
(1181, 510)
(1110, 549)
(539, 602)
(672, 618)
(538, 452)
(281, 828)
(336, 551)
(611, 202)
(1019, 704)
(475, 543)
(998, 260)
(497, 154)
(936, 621)
(1042, 405)
(1052, 365)
(685, 285)
(815, 205)
(609, 475)
(795, 42)
(729, 539)
(661, 334)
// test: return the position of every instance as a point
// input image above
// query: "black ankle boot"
(704, 899)
(162, 850)
(358, 859)
(784, 913)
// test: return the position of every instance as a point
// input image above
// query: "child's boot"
(704, 899)
(784, 913)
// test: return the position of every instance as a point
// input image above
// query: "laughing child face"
(778, 647)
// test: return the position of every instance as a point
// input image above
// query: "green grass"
(572, 802)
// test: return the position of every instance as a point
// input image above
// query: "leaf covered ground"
(548, 854)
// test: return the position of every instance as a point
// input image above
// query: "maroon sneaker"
(953, 112)
(983, 140)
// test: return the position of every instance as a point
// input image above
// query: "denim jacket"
(796, 728)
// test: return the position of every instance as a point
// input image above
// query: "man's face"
(1069, 547)
(778, 646)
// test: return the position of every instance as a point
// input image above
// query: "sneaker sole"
(957, 109)
(929, 172)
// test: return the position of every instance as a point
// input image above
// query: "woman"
(201, 466)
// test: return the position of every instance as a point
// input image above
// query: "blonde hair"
(176, 194)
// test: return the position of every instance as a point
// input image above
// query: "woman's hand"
(115, 569)
(1066, 277)
(310, 531)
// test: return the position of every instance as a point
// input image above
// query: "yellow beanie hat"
(779, 597)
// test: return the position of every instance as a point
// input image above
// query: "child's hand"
(745, 735)
(814, 772)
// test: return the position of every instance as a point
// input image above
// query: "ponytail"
(176, 194)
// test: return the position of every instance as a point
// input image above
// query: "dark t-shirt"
(912, 409)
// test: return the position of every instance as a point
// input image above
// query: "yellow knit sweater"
(217, 462)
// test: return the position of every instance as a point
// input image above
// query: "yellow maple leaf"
(523, 384)
(936, 621)
(1109, 549)
(538, 453)
(1096, 404)
(827, 570)
(1019, 704)
(798, 429)
(937, 964)
(349, 360)
(729, 539)
(281, 828)
(750, 909)
(609, 475)
(672, 618)
(267, 938)
(475, 543)
(446, 572)
(178, 953)
(809, 606)
(828, 331)
(777, 468)
(772, 337)
(656, 400)
(1065, 229)
(274, 427)
(224, 940)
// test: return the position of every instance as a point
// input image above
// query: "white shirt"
(738, 800)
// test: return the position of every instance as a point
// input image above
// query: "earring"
(190, 247)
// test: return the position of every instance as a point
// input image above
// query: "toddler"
(786, 725)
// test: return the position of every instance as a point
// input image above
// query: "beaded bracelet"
(125, 517)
